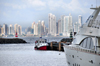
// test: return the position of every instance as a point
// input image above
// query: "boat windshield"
(87, 43)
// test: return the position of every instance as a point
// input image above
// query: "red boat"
(41, 44)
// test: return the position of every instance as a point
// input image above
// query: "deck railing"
(84, 50)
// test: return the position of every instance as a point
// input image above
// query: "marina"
(25, 55)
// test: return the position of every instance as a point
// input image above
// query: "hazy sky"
(24, 12)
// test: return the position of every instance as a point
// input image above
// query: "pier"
(58, 46)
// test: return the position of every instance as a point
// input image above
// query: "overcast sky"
(24, 12)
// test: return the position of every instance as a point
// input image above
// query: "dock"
(58, 46)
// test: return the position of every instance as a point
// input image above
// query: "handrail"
(83, 50)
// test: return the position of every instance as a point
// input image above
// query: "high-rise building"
(52, 24)
(19, 30)
(16, 28)
(5, 29)
(65, 25)
(42, 27)
(76, 27)
(80, 20)
(59, 26)
(62, 24)
(32, 30)
(35, 29)
(70, 23)
(39, 28)
(66, 28)
(56, 27)
(2, 31)
(33, 25)
(11, 30)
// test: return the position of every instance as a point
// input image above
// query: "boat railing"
(94, 23)
(91, 51)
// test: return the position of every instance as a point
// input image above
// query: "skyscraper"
(59, 26)
(76, 27)
(5, 29)
(35, 29)
(16, 28)
(65, 25)
(32, 30)
(11, 30)
(80, 20)
(62, 23)
(39, 28)
(33, 25)
(19, 30)
(56, 27)
(70, 23)
(42, 27)
(52, 24)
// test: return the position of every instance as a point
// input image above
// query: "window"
(42, 41)
(87, 43)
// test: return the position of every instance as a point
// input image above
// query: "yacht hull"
(78, 58)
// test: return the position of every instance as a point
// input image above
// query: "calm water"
(25, 55)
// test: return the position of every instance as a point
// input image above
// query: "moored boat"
(41, 44)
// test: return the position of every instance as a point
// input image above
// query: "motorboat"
(41, 44)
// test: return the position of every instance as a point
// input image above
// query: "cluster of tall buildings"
(64, 26)
(10, 30)
(37, 29)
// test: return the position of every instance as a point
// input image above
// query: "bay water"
(25, 55)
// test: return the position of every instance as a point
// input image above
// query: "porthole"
(73, 56)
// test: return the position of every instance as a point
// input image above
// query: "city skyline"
(63, 27)
(28, 11)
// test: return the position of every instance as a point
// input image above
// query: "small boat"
(41, 44)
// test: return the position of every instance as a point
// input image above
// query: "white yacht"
(85, 48)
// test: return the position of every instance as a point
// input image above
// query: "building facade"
(11, 30)
(52, 24)
(5, 29)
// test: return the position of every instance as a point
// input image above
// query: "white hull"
(81, 57)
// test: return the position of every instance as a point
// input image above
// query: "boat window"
(98, 41)
(40, 41)
(87, 43)
(45, 41)
(84, 43)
